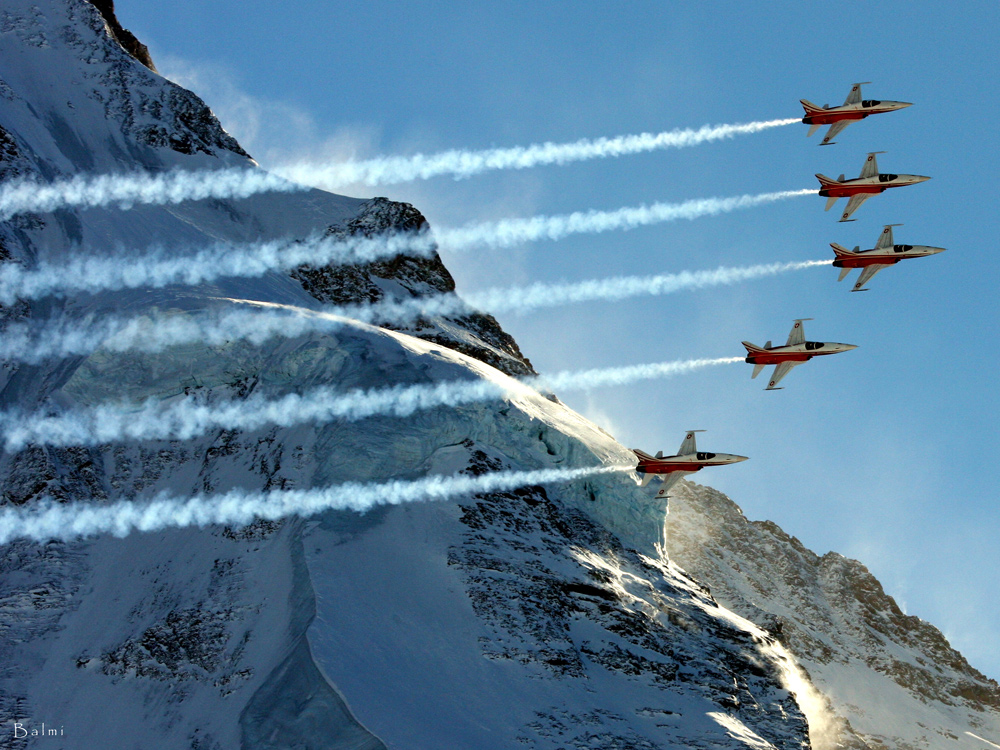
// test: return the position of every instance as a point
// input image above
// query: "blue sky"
(884, 453)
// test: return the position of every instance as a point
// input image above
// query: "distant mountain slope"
(893, 676)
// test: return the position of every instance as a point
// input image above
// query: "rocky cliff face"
(892, 676)
(475, 333)
(123, 36)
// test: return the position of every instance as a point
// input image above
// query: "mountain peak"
(125, 38)
(837, 620)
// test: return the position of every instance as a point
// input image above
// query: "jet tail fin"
(843, 273)
(842, 252)
(809, 107)
(825, 181)
(756, 370)
(753, 348)
(646, 478)
(813, 128)
(659, 454)
(830, 201)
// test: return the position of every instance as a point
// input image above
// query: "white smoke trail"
(508, 232)
(93, 274)
(599, 378)
(466, 163)
(52, 520)
(33, 343)
(160, 268)
(130, 189)
(622, 287)
(138, 188)
(188, 417)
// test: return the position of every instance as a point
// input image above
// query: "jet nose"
(920, 178)
(847, 347)
(935, 250)
(737, 459)
(901, 105)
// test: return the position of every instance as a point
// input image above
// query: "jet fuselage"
(876, 184)
(687, 464)
(885, 256)
(853, 112)
(795, 353)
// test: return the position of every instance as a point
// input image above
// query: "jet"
(864, 187)
(793, 353)
(883, 255)
(687, 461)
(854, 108)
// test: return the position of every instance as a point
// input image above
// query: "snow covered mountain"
(893, 677)
(543, 617)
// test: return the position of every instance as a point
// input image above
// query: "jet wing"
(866, 273)
(669, 480)
(870, 169)
(854, 204)
(855, 96)
(797, 335)
(688, 446)
(834, 131)
(885, 239)
(779, 372)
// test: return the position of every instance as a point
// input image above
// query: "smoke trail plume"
(93, 274)
(127, 190)
(160, 268)
(71, 520)
(138, 188)
(189, 417)
(34, 343)
(621, 287)
(508, 232)
(466, 163)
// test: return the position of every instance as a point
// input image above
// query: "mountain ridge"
(836, 618)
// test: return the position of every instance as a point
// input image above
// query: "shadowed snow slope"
(893, 677)
(545, 616)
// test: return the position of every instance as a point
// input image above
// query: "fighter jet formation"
(797, 350)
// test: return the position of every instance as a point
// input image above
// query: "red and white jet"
(795, 352)
(864, 187)
(687, 461)
(855, 108)
(883, 255)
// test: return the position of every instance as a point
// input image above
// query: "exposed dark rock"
(125, 38)
(475, 334)
(526, 576)
(832, 609)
